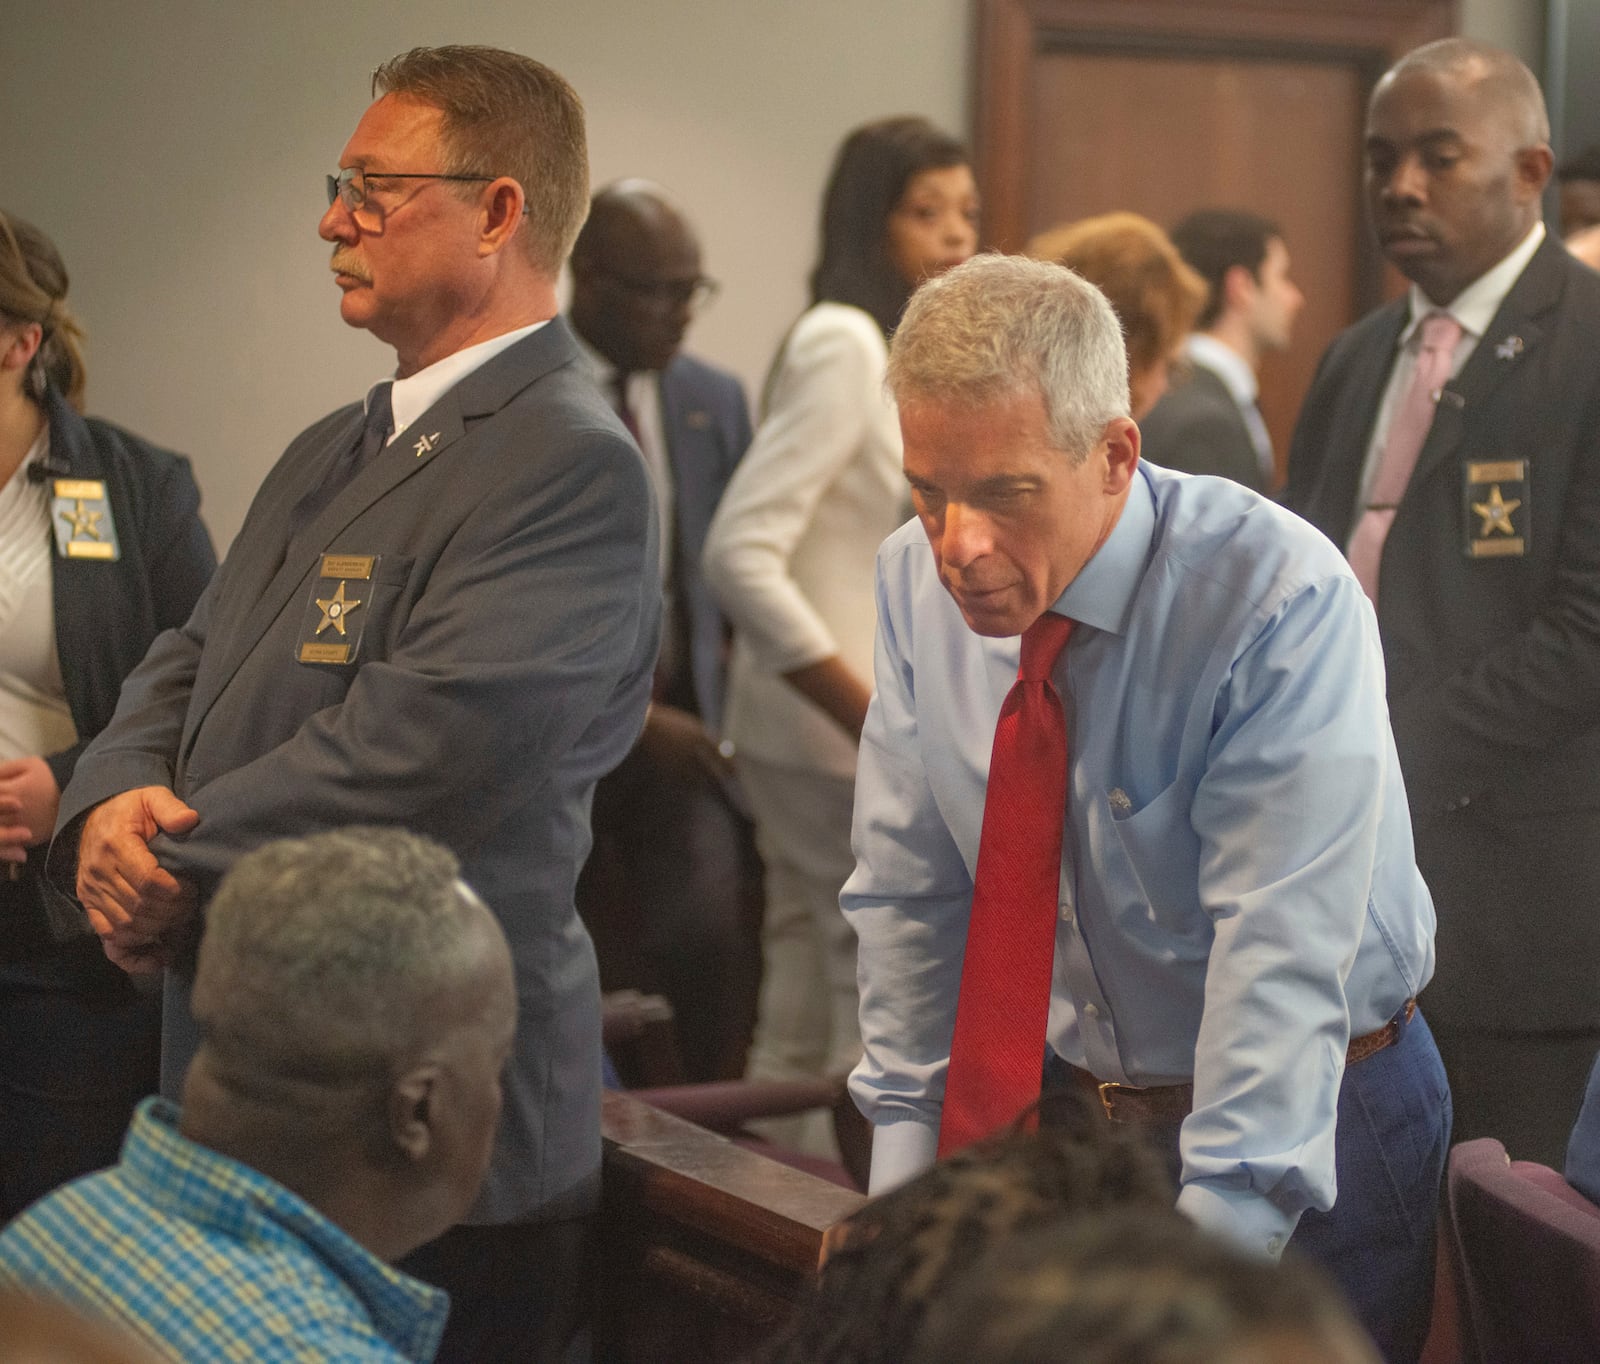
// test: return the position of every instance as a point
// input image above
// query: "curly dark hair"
(904, 1250)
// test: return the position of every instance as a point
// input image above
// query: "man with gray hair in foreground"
(1173, 862)
(356, 1008)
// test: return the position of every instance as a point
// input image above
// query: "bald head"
(635, 276)
(1456, 159)
(1501, 82)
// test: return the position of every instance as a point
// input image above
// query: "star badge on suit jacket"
(1496, 512)
(335, 609)
(85, 522)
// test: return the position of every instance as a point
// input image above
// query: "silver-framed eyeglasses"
(349, 186)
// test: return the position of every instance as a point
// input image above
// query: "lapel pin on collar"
(424, 444)
(1509, 349)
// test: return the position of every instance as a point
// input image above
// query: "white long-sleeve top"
(790, 552)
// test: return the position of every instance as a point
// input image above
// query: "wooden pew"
(705, 1246)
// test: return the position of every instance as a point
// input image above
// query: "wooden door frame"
(1369, 34)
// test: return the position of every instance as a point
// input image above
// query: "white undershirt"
(414, 395)
(34, 717)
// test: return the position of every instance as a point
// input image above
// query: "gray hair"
(324, 957)
(1002, 326)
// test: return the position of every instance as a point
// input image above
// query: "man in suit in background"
(1210, 424)
(1451, 444)
(672, 890)
(441, 613)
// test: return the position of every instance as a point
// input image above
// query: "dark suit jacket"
(707, 428)
(1583, 1152)
(1198, 428)
(1493, 661)
(507, 634)
(108, 612)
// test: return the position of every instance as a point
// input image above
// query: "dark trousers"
(518, 1293)
(1378, 1239)
(1524, 1089)
(74, 1061)
(671, 895)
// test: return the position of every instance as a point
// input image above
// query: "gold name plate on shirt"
(357, 566)
(1495, 508)
(324, 653)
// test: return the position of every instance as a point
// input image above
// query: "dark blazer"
(1493, 655)
(707, 426)
(1583, 1151)
(500, 662)
(1197, 427)
(108, 612)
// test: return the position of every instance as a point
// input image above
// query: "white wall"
(175, 150)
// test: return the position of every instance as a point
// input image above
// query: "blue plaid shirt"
(206, 1259)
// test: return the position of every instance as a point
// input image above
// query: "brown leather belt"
(1171, 1103)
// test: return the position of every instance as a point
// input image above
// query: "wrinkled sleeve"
(908, 901)
(1287, 815)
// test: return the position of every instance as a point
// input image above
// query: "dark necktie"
(374, 433)
(1003, 1009)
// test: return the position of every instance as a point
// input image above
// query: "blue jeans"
(1377, 1241)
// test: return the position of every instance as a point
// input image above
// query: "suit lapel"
(482, 393)
(1513, 335)
(686, 424)
(76, 583)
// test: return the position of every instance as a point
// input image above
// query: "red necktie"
(1003, 1010)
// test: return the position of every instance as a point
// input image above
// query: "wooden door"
(1165, 106)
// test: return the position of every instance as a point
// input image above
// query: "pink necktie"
(1003, 1008)
(1408, 429)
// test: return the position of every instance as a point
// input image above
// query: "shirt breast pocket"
(1149, 859)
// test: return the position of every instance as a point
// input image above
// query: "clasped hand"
(134, 903)
(29, 799)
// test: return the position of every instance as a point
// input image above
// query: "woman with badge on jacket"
(101, 548)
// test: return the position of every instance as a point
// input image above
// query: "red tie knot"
(1440, 332)
(1042, 643)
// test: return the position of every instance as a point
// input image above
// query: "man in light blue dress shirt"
(1239, 906)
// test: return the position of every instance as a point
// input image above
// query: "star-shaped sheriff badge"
(1496, 512)
(335, 608)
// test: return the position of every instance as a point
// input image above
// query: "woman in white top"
(790, 557)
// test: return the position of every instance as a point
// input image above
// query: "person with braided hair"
(101, 548)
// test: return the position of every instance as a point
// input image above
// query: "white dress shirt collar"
(414, 395)
(1227, 364)
(1475, 306)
